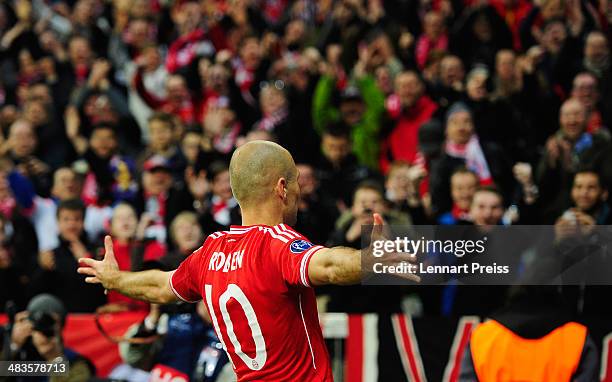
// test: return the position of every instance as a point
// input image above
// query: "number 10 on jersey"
(234, 291)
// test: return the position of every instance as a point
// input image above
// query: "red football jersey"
(255, 283)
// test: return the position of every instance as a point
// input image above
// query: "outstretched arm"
(152, 286)
(343, 265)
(337, 265)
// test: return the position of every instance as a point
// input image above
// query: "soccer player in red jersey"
(256, 279)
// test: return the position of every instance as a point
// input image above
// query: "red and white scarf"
(226, 141)
(221, 209)
(474, 158)
(245, 78)
(270, 121)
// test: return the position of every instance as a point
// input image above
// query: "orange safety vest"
(499, 355)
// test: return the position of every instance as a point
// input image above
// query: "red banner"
(82, 336)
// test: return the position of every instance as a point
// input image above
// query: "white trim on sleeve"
(177, 293)
(304, 263)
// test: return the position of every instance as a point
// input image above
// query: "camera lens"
(43, 322)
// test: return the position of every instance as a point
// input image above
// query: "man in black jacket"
(56, 273)
(583, 237)
(338, 170)
(316, 211)
(462, 148)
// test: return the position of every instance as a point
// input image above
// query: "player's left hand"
(380, 232)
(104, 271)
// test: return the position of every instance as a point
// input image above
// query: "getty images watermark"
(458, 248)
(493, 255)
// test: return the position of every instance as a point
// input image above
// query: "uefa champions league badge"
(299, 246)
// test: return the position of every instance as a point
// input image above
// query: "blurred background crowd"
(120, 116)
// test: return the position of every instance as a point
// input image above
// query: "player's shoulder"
(286, 239)
(280, 234)
(214, 240)
(216, 235)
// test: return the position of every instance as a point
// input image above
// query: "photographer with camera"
(589, 197)
(351, 229)
(368, 198)
(36, 335)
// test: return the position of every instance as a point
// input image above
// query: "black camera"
(368, 211)
(43, 322)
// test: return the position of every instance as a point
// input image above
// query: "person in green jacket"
(361, 107)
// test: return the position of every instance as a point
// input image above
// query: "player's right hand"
(103, 271)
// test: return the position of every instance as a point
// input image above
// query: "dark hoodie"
(65, 283)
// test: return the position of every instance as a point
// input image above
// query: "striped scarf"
(474, 158)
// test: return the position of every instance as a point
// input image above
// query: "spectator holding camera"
(36, 335)
(351, 229)
(589, 199)
(367, 199)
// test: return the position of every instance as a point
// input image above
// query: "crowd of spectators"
(120, 117)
